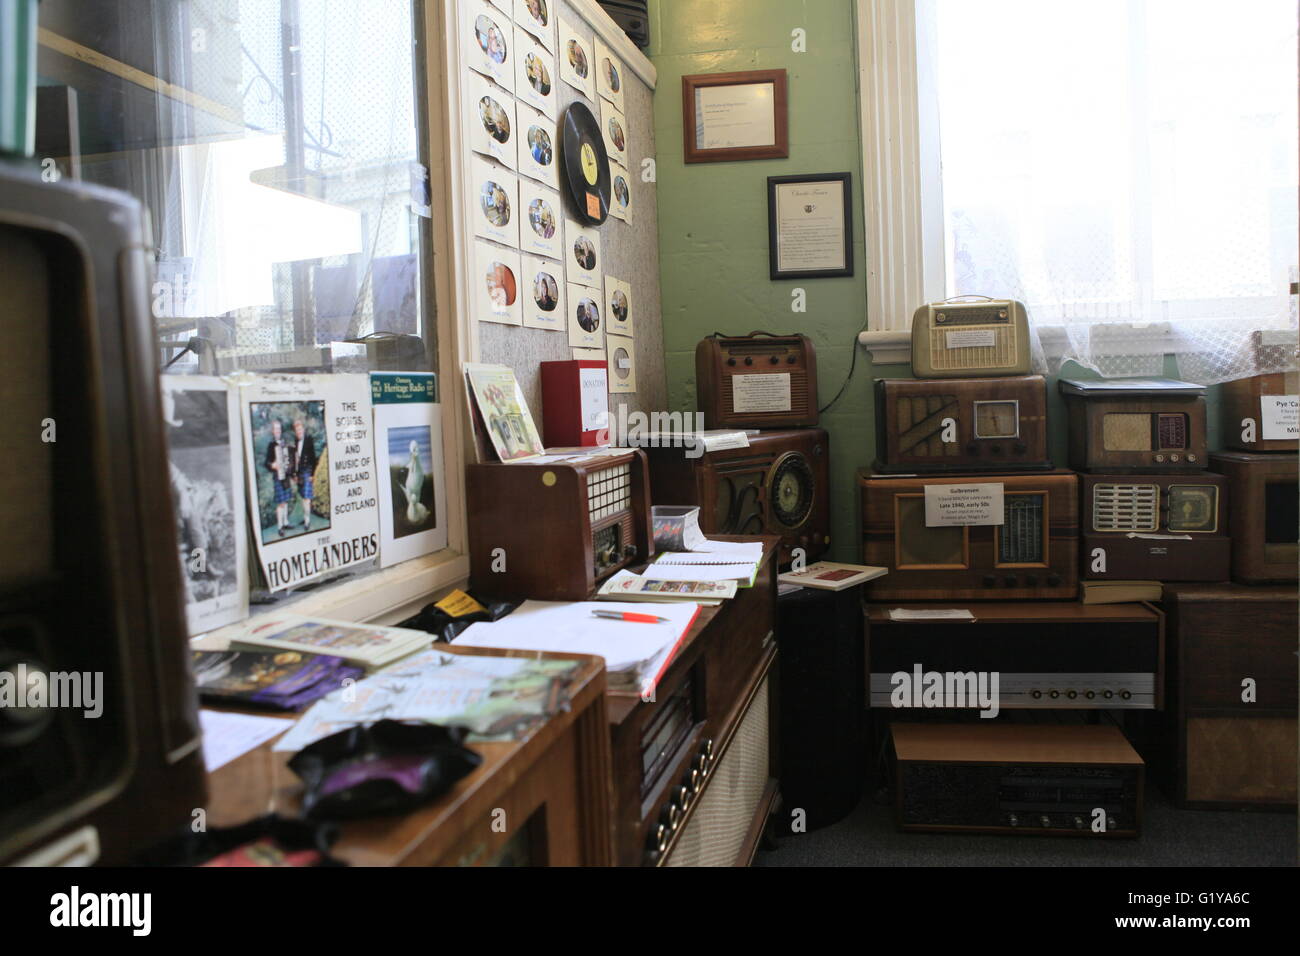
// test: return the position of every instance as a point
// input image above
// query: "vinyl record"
(586, 164)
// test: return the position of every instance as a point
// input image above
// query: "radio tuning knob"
(1053, 580)
(972, 449)
(774, 360)
(749, 360)
(731, 361)
(707, 748)
(1045, 820)
(997, 449)
(1191, 458)
(1036, 694)
(1108, 694)
(1053, 694)
(1021, 448)
(790, 360)
(1010, 580)
(1090, 694)
(1013, 820)
(1072, 694)
(1078, 823)
(1126, 695)
(1031, 580)
(990, 581)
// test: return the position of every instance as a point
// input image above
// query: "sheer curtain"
(1122, 163)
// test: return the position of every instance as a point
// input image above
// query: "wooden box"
(1248, 412)
(1217, 747)
(971, 424)
(758, 380)
(1034, 554)
(1264, 511)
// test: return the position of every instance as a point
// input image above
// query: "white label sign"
(594, 383)
(1279, 417)
(761, 393)
(949, 506)
(971, 338)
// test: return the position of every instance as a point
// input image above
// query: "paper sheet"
(227, 736)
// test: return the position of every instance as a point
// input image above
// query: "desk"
(561, 769)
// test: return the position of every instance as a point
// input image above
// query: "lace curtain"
(1128, 170)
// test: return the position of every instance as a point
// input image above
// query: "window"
(1109, 163)
(280, 149)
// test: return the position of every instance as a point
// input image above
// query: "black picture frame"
(774, 183)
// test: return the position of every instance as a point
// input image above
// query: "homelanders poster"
(309, 451)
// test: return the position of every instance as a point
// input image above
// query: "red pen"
(630, 616)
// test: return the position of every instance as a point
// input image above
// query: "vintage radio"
(1032, 553)
(778, 485)
(1041, 779)
(759, 380)
(968, 339)
(554, 530)
(1135, 425)
(1264, 508)
(1260, 412)
(982, 424)
(90, 584)
(1047, 655)
(1155, 527)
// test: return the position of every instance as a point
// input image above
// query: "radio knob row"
(1011, 581)
(683, 795)
(772, 360)
(1089, 694)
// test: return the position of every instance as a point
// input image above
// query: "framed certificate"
(731, 116)
(810, 226)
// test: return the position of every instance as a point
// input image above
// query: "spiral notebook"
(706, 566)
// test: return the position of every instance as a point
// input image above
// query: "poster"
(618, 307)
(309, 457)
(613, 126)
(495, 284)
(535, 77)
(536, 158)
(205, 458)
(582, 255)
(543, 294)
(539, 228)
(575, 60)
(409, 463)
(495, 392)
(486, 37)
(609, 74)
(586, 330)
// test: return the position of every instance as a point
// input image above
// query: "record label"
(586, 164)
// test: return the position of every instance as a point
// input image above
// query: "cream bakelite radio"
(986, 337)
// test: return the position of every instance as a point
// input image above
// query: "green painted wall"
(713, 217)
(713, 220)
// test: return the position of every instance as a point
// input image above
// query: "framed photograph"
(810, 226)
(732, 116)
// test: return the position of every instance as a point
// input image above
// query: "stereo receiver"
(979, 424)
(1065, 780)
(966, 339)
(759, 380)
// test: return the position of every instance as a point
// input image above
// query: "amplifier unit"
(1068, 780)
(778, 485)
(966, 339)
(759, 380)
(1259, 412)
(1045, 656)
(1032, 552)
(1135, 425)
(978, 424)
(554, 530)
(1155, 527)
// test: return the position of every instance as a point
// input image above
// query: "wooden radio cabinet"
(1228, 737)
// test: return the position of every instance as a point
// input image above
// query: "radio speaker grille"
(1001, 354)
(718, 827)
(1125, 507)
(609, 491)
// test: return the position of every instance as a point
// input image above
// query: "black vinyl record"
(586, 164)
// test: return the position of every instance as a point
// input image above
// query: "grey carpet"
(1170, 837)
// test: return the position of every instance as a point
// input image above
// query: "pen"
(629, 616)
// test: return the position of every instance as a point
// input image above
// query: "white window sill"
(894, 346)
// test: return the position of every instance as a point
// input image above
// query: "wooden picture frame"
(748, 126)
(810, 245)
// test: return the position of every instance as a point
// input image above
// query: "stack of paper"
(635, 653)
(735, 562)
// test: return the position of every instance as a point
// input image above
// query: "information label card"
(961, 505)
